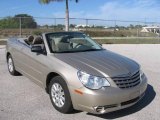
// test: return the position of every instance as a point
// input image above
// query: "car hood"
(99, 63)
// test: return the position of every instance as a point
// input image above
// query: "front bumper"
(108, 99)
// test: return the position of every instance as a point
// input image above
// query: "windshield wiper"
(91, 50)
(79, 51)
(66, 52)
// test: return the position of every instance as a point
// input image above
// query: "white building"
(154, 29)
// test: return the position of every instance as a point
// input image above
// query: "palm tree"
(67, 10)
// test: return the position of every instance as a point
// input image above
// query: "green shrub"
(37, 32)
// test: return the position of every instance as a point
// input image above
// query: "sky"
(135, 10)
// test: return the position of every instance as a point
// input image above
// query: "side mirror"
(37, 49)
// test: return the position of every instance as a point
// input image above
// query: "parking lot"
(20, 99)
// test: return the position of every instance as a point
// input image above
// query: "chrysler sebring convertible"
(77, 72)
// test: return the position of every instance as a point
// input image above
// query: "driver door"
(35, 67)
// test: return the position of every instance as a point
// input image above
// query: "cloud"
(146, 3)
(135, 10)
(75, 14)
(130, 10)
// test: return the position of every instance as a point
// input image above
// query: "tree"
(67, 10)
(72, 26)
(131, 26)
(8, 22)
(27, 21)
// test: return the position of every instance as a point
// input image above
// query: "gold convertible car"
(77, 72)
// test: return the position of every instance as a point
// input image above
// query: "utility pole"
(86, 24)
(115, 24)
(55, 24)
(20, 26)
(137, 29)
(159, 36)
(145, 21)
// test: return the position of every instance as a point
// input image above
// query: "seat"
(38, 40)
(63, 44)
(54, 46)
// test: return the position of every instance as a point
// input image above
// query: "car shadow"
(18, 74)
(145, 101)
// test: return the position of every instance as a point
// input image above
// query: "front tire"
(59, 95)
(11, 67)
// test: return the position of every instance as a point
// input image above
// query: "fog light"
(99, 109)
(102, 109)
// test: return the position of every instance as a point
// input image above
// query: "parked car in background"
(77, 72)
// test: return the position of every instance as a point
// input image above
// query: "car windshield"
(68, 42)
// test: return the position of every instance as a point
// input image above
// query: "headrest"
(30, 39)
(65, 39)
(38, 40)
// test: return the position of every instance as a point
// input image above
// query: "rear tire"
(59, 95)
(11, 67)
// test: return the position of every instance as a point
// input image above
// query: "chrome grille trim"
(126, 81)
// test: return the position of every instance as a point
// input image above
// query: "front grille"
(127, 81)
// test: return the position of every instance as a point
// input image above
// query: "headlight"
(91, 81)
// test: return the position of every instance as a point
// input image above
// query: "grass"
(128, 41)
(3, 42)
(121, 41)
(105, 36)
(92, 32)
